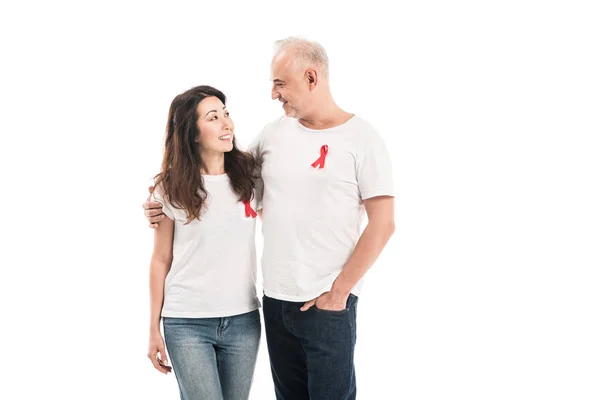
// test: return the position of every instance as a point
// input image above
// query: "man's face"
(289, 85)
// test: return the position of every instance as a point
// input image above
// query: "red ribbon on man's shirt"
(321, 161)
(249, 211)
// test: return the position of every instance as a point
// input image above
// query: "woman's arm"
(162, 255)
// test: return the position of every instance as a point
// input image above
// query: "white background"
(488, 289)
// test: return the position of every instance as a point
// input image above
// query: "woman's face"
(215, 126)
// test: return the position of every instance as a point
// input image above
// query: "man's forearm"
(369, 246)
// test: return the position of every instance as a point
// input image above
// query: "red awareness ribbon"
(321, 161)
(249, 211)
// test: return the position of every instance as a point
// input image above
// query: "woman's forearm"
(158, 273)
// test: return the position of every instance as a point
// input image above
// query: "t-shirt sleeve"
(167, 209)
(374, 171)
(258, 192)
(255, 148)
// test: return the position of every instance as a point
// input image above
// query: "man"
(322, 167)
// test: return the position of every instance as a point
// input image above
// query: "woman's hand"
(157, 353)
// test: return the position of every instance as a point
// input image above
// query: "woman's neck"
(213, 164)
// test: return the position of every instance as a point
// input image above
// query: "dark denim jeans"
(311, 352)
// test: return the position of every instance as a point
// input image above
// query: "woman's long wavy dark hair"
(180, 177)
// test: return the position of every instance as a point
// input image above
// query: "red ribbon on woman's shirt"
(249, 211)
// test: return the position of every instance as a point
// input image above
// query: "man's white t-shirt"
(314, 185)
(213, 273)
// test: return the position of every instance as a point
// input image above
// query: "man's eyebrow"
(224, 107)
(278, 81)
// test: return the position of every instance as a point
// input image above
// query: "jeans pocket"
(331, 312)
(351, 302)
(173, 321)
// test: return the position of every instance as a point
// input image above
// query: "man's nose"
(274, 93)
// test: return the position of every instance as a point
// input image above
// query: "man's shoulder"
(359, 122)
(363, 130)
(264, 133)
(279, 122)
(276, 125)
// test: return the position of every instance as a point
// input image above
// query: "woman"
(203, 268)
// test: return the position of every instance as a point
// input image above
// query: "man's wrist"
(340, 288)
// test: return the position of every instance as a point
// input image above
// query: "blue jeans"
(311, 352)
(213, 358)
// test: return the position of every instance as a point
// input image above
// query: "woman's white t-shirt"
(213, 273)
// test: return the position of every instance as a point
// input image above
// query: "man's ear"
(312, 78)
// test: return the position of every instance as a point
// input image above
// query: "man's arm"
(379, 229)
(153, 210)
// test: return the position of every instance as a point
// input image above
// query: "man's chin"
(289, 112)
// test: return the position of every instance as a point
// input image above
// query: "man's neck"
(326, 117)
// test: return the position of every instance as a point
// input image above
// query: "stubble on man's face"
(287, 81)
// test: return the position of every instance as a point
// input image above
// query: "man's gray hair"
(306, 52)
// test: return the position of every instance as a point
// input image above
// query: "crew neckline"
(214, 178)
(333, 128)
